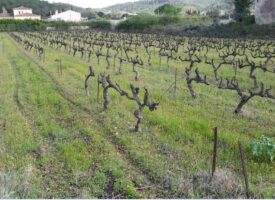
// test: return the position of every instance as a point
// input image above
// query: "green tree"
(242, 9)
(167, 9)
(101, 14)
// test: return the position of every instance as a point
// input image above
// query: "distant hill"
(148, 6)
(42, 8)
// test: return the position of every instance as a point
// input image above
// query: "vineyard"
(115, 115)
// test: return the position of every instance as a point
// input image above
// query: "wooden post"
(244, 170)
(98, 89)
(214, 151)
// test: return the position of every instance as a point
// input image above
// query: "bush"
(167, 9)
(22, 25)
(146, 22)
(249, 20)
(165, 20)
(138, 23)
(99, 24)
(11, 25)
(263, 150)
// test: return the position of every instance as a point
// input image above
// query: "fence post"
(98, 89)
(244, 170)
(214, 150)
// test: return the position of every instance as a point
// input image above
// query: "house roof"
(22, 8)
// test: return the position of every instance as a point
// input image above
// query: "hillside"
(150, 5)
(42, 8)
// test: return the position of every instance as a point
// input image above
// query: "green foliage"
(145, 22)
(75, 155)
(89, 14)
(263, 150)
(98, 184)
(126, 187)
(242, 9)
(167, 9)
(19, 25)
(99, 24)
(59, 133)
(11, 25)
(101, 14)
(32, 25)
(249, 20)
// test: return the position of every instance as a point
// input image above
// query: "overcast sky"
(92, 3)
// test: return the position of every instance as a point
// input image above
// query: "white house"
(24, 13)
(68, 15)
(22, 10)
(20, 13)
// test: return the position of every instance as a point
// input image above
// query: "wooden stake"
(244, 170)
(214, 150)
(98, 89)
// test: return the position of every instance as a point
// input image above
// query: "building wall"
(20, 12)
(3, 18)
(67, 16)
(265, 11)
(33, 17)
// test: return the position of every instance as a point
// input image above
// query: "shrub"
(249, 20)
(146, 22)
(263, 150)
(167, 9)
(99, 24)
(165, 20)
(22, 25)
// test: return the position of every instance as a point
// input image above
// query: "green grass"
(75, 153)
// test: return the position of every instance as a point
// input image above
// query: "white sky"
(92, 3)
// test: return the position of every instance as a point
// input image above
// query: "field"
(58, 142)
